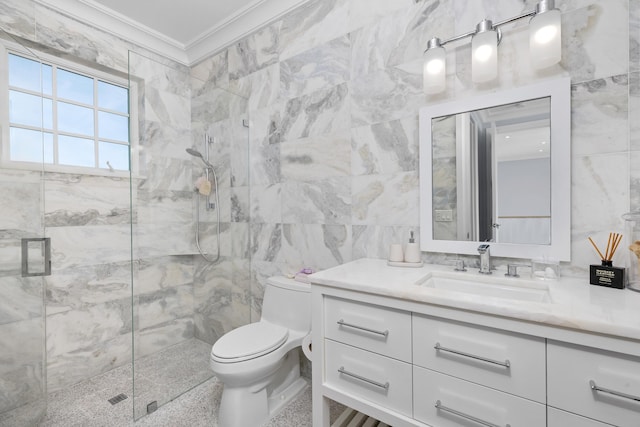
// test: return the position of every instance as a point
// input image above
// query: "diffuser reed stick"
(596, 248)
(612, 246)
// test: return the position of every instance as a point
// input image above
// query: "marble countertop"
(573, 302)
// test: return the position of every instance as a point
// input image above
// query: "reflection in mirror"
(486, 172)
(491, 174)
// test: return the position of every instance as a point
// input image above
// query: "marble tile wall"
(96, 297)
(219, 110)
(335, 88)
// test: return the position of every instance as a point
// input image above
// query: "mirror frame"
(559, 90)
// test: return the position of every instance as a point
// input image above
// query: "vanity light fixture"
(544, 47)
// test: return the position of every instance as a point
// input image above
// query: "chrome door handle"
(441, 407)
(506, 363)
(341, 322)
(47, 256)
(384, 386)
(595, 387)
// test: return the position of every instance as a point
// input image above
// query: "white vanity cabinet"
(558, 418)
(410, 363)
(377, 329)
(598, 384)
(368, 352)
(513, 363)
(445, 401)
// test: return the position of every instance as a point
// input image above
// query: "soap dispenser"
(412, 251)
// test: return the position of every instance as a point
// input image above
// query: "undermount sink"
(489, 286)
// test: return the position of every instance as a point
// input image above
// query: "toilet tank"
(287, 302)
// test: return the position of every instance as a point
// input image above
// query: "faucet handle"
(459, 265)
(483, 248)
(512, 270)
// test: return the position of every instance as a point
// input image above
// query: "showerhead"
(196, 153)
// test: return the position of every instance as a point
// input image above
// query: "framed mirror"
(496, 168)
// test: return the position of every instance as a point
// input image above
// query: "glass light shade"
(434, 70)
(545, 44)
(484, 56)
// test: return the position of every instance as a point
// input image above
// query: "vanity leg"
(320, 403)
(320, 411)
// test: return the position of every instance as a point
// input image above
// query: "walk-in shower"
(205, 190)
(130, 308)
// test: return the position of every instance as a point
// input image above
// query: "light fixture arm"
(495, 26)
(541, 7)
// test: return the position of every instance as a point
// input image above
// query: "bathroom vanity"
(429, 346)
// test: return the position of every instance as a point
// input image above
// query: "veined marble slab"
(574, 303)
(21, 369)
(318, 68)
(386, 199)
(212, 72)
(385, 148)
(316, 157)
(325, 201)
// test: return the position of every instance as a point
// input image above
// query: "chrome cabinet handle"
(595, 387)
(384, 386)
(341, 322)
(441, 407)
(506, 363)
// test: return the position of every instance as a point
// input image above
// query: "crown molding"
(118, 25)
(228, 31)
(244, 22)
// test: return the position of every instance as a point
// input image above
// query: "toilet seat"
(248, 342)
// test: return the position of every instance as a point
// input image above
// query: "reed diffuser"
(606, 274)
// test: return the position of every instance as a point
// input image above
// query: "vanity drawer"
(572, 368)
(509, 362)
(460, 401)
(379, 379)
(379, 329)
(558, 418)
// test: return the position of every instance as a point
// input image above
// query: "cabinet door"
(558, 418)
(444, 401)
(598, 384)
(379, 329)
(506, 361)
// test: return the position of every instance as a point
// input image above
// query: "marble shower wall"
(221, 289)
(163, 245)
(334, 90)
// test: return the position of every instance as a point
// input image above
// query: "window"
(70, 118)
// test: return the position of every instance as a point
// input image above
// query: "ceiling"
(186, 30)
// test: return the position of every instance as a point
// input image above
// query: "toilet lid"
(250, 341)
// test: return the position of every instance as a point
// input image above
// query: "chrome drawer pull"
(384, 386)
(341, 322)
(594, 387)
(441, 407)
(506, 363)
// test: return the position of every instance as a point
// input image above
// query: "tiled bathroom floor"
(86, 404)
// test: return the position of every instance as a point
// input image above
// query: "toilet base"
(254, 405)
(279, 401)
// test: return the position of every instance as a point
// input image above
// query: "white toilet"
(259, 363)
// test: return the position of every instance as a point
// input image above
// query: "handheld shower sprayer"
(196, 153)
(209, 205)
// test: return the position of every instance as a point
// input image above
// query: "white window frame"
(7, 47)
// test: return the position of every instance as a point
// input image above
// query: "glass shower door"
(23, 250)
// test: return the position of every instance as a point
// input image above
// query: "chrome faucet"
(485, 259)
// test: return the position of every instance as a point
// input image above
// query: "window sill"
(70, 170)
